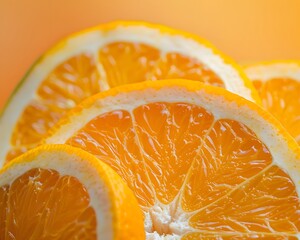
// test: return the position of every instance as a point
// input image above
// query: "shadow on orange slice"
(278, 84)
(203, 163)
(60, 192)
(103, 57)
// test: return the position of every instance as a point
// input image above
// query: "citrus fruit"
(203, 163)
(278, 84)
(103, 57)
(60, 192)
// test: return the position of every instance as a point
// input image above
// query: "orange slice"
(278, 84)
(202, 162)
(103, 57)
(60, 192)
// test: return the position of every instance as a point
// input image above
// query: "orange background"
(247, 30)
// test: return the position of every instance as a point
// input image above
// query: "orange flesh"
(41, 204)
(203, 236)
(110, 137)
(175, 65)
(127, 62)
(78, 78)
(216, 169)
(280, 97)
(270, 199)
(68, 84)
(230, 155)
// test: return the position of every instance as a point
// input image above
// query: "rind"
(221, 103)
(91, 39)
(274, 69)
(99, 180)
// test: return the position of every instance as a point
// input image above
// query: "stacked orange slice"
(278, 84)
(59, 192)
(202, 162)
(101, 58)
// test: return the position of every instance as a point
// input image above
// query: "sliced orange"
(278, 84)
(202, 162)
(60, 192)
(103, 57)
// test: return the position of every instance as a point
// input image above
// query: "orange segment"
(59, 192)
(125, 62)
(36, 120)
(253, 208)
(230, 155)
(169, 136)
(111, 138)
(280, 97)
(101, 58)
(68, 84)
(175, 65)
(215, 164)
(37, 191)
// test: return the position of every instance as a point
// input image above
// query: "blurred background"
(246, 30)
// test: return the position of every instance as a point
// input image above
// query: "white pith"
(91, 42)
(166, 222)
(266, 72)
(219, 106)
(72, 165)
